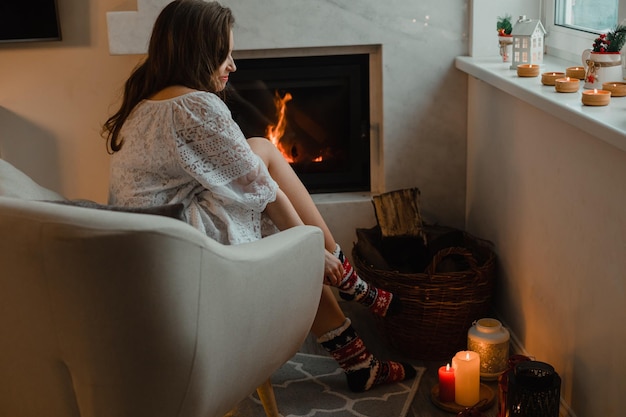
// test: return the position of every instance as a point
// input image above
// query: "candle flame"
(567, 78)
(467, 356)
(595, 91)
(447, 367)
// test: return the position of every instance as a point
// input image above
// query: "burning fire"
(275, 132)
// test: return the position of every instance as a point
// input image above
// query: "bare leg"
(338, 271)
(330, 326)
(329, 315)
(289, 182)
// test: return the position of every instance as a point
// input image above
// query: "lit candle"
(575, 72)
(466, 366)
(446, 384)
(617, 89)
(596, 97)
(527, 70)
(566, 85)
(549, 78)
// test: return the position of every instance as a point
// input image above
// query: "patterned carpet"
(314, 386)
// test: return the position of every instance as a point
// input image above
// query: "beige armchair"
(129, 315)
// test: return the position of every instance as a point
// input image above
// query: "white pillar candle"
(466, 366)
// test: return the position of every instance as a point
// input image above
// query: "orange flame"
(275, 132)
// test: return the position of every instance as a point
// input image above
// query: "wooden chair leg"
(266, 394)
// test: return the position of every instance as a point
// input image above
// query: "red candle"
(446, 384)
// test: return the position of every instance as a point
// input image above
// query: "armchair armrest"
(132, 314)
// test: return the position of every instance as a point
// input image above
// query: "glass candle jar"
(490, 340)
(534, 389)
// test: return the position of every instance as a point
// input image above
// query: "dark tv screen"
(32, 20)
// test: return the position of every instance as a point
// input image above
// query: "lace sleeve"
(213, 150)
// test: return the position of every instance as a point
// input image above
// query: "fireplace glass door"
(315, 109)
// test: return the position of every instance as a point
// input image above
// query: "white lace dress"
(189, 150)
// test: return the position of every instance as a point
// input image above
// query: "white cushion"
(14, 183)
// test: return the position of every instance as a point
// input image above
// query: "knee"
(264, 148)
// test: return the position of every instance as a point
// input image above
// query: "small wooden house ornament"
(528, 37)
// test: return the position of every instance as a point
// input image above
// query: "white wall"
(483, 17)
(552, 198)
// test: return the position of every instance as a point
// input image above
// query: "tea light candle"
(446, 384)
(617, 89)
(596, 97)
(549, 78)
(575, 72)
(527, 70)
(466, 366)
(566, 85)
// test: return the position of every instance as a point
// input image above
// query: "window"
(573, 25)
(588, 15)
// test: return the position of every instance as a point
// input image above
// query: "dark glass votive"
(534, 390)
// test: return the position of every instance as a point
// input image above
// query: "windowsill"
(607, 123)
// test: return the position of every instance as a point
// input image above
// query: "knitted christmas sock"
(363, 370)
(352, 287)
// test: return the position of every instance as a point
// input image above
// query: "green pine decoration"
(504, 25)
(612, 41)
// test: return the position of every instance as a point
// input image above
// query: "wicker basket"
(438, 307)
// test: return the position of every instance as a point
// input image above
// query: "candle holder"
(534, 389)
(490, 340)
(596, 97)
(503, 382)
(617, 89)
(527, 70)
(566, 85)
(575, 72)
(549, 78)
(487, 400)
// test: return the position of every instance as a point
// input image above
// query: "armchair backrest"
(15, 183)
(119, 314)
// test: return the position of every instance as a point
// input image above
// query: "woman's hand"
(333, 269)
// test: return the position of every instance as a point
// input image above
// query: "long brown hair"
(190, 40)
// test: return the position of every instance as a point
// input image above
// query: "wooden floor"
(422, 404)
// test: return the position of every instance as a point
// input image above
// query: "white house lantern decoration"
(528, 37)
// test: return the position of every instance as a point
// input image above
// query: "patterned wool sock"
(363, 370)
(352, 287)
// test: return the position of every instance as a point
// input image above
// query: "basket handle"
(453, 250)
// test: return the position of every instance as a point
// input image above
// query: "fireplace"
(315, 109)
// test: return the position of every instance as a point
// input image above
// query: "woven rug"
(314, 386)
